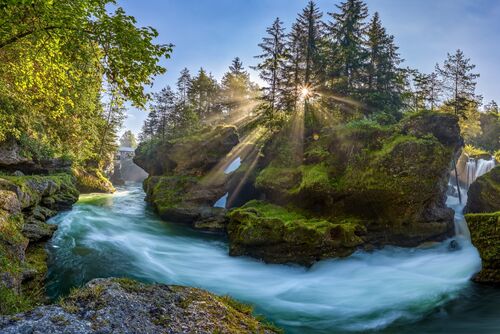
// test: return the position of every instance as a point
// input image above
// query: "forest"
(324, 187)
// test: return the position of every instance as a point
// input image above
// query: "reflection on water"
(393, 290)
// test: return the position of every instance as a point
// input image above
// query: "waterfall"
(478, 167)
(474, 169)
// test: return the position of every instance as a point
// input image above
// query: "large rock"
(280, 235)
(484, 194)
(187, 176)
(124, 306)
(12, 159)
(393, 179)
(92, 180)
(184, 199)
(485, 234)
(194, 155)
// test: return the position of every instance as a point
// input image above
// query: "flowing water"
(393, 290)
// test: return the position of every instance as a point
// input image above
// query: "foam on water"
(120, 237)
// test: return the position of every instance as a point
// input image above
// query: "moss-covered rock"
(392, 178)
(22, 253)
(126, 306)
(280, 235)
(485, 235)
(184, 199)
(484, 194)
(92, 180)
(193, 155)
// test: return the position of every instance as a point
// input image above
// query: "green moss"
(277, 179)
(485, 235)
(315, 179)
(128, 284)
(36, 260)
(92, 180)
(258, 223)
(474, 152)
(166, 192)
(89, 295)
(11, 302)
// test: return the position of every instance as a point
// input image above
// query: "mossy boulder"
(279, 235)
(126, 306)
(485, 235)
(184, 199)
(92, 180)
(193, 155)
(392, 178)
(484, 194)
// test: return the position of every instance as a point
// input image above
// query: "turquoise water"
(393, 290)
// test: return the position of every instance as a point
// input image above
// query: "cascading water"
(478, 167)
(116, 235)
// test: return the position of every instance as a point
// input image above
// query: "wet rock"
(485, 235)
(37, 231)
(484, 194)
(454, 245)
(281, 235)
(124, 306)
(92, 180)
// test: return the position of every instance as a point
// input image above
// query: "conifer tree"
(272, 62)
(204, 94)
(183, 85)
(347, 33)
(459, 82)
(236, 88)
(311, 26)
(383, 78)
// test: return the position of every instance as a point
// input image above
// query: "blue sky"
(211, 33)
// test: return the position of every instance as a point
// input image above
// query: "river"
(393, 290)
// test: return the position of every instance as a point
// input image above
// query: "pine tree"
(434, 90)
(183, 85)
(383, 78)
(347, 33)
(293, 76)
(272, 64)
(459, 82)
(421, 84)
(236, 88)
(164, 109)
(204, 94)
(311, 27)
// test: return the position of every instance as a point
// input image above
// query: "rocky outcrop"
(358, 185)
(483, 206)
(194, 155)
(484, 194)
(187, 178)
(485, 235)
(280, 235)
(12, 159)
(124, 306)
(391, 181)
(26, 202)
(92, 180)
